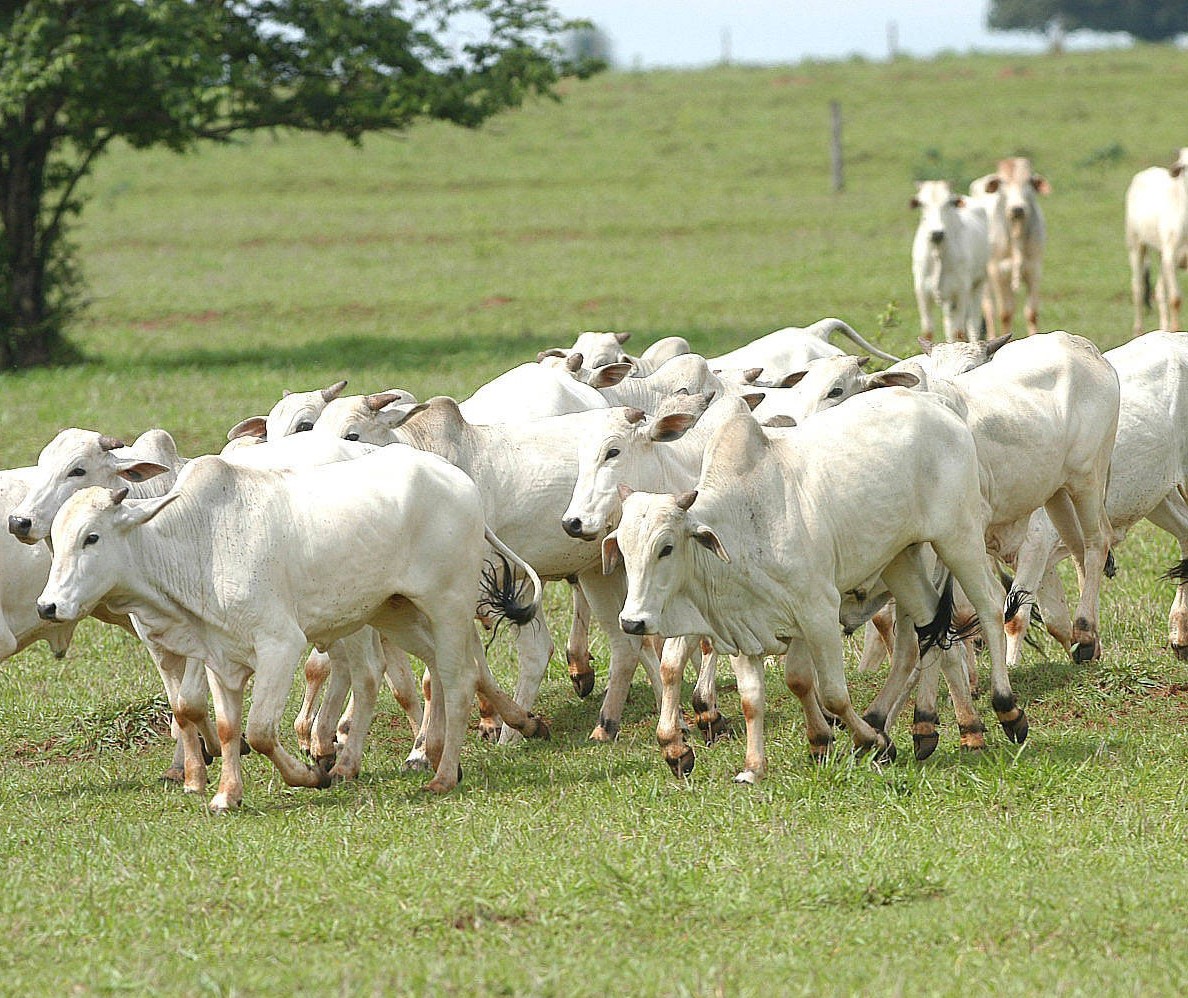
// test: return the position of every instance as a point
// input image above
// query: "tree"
(1148, 20)
(77, 75)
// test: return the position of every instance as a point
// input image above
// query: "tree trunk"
(28, 334)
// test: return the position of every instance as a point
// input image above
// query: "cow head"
(936, 201)
(829, 381)
(1180, 167)
(368, 418)
(659, 541)
(91, 553)
(624, 451)
(952, 359)
(74, 460)
(297, 412)
(1019, 185)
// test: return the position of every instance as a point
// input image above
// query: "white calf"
(1157, 219)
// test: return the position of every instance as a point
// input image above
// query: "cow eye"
(352, 436)
(90, 539)
(613, 452)
(76, 472)
(834, 392)
(666, 551)
(304, 425)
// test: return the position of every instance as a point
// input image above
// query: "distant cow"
(950, 253)
(1017, 234)
(1157, 219)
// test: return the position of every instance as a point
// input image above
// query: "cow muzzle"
(47, 611)
(631, 626)
(936, 236)
(574, 526)
(19, 526)
(1018, 213)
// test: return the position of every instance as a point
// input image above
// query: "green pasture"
(690, 203)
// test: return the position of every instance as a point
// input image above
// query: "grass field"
(693, 203)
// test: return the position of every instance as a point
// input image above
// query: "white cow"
(1157, 219)
(778, 354)
(596, 350)
(241, 567)
(525, 473)
(950, 253)
(783, 526)
(1017, 234)
(1148, 480)
(531, 391)
(294, 413)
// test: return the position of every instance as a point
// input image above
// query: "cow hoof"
(583, 683)
(541, 729)
(1016, 730)
(885, 750)
(416, 764)
(606, 731)
(713, 727)
(925, 745)
(682, 765)
(488, 731)
(173, 776)
(1083, 652)
(324, 763)
(436, 786)
(748, 777)
(1181, 652)
(221, 804)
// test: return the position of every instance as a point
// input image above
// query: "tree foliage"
(1148, 20)
(76, 75)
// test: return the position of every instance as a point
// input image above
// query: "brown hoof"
(583, 683)
(172, 775)
(683, 764)
(541, 730)
(1017, 729)
(488, 732)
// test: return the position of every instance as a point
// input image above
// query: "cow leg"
(1035, 558)
(1053, 606)
(878, 639)
(324, 732)
(455, 680)
(276, 663)
(710, 721)
(1032, 275)
(800, 679)
(953, 311)
(361, 655)
(952, 663)
(523, 722)
(1089, 526)
(227, 694)
(418, 757)
(577, 648)
(400, 679)
(317, 671)
(1172, 515)
(186, 688)
(748, 670)
(606, 595)
(905, 659)
(534, 647)
(924, 306)
(1169, 300)
(677, 752)
(1138, 264)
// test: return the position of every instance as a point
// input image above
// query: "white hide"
(1157, 221)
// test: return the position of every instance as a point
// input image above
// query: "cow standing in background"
(1157, 219)
(950, 254)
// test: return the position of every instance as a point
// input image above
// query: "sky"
(648, 34)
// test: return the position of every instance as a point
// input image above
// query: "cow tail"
(940, 632)
(502, 596)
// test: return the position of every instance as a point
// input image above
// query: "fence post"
(836, 146)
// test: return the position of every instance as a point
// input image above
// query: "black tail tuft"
(1111, 566)
(1015, 601)
(940, 633)
(1177, 573)
(1146, 287)
(503, 596)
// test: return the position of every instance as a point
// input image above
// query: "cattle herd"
(758, 503)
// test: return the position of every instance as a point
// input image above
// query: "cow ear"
(552, 352)
(611, 555)
(753, 399)
(709, 540)
(625, 491)
(915, 203)
(1176, 169)
(1040, 184)
(393, 416)
(925, 346)
(892, 379)
(792, 380)
(143, 511)
(133, 470)
(996, 344)
(779, 422)
(672, 426)
(863, 361)
(609, 375)
(959, 201)
(622, 337)
(253, 426)
(573, 363)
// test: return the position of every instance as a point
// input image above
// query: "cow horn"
(622, 337)
(119, 495)
(574, 363)
(331, 393)
(751, 373)
(376, 402)
(110, 443)
(686, 499)
(634, 415)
